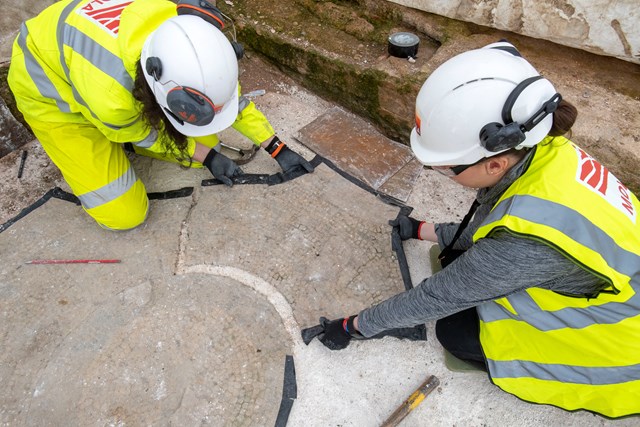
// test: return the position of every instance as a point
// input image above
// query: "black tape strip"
(396, 245)
(416, 333)
(384, 197)
(289, 392)
(279, 178)
(172, 194)
(346, 176)
(24, 212)
(240, 180)
(59, 193)
(275, 179)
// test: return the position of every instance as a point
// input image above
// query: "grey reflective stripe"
(148, 141)
(109, 192)
(492, 312)
(571, 223)
(568, 374)
(98, 56)
(60, 37)
(65, 35)
(583, 231)
(243, 102)
(568, 317)
(37, 74)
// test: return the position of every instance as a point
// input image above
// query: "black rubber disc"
(403, 45)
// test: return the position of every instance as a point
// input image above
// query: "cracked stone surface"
(130, 343)
(327, 263)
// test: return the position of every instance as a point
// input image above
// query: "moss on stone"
(7, 95)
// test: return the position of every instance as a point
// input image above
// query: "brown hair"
(173, 141)
(563, 118)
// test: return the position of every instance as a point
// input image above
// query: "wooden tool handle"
(412, 401)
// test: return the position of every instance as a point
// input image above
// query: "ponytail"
(563, 118)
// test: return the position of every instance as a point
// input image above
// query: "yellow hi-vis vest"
(81, 57)
(571, 352)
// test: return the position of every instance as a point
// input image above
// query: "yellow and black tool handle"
(412, 401)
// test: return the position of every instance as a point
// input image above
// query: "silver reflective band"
(243, 102)
(568, 374)
(109, 192)
(583, 231)
(67, 35)
(571, 223)
(37, 74)
(98, 56)
(148, 141)
(568, 317)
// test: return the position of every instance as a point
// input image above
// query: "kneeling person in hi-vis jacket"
(541, 280)
(89, 76)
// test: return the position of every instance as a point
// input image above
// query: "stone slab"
(358, 149)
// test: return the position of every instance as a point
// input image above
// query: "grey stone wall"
(604, 27)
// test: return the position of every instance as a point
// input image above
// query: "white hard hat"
(192, 70)
(492, 92)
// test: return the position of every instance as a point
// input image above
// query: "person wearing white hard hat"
(93, 77)
(540, 284)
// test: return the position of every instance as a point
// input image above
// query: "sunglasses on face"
(453, 170)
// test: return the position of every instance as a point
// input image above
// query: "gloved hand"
(221, 167)
(408, 227)
(337, 333)
(286, 157)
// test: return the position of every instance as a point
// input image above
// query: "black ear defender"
(498, 137)
(207, 11)
(153, 67)
(191, 106)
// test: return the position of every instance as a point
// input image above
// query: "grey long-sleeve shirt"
(491, 268)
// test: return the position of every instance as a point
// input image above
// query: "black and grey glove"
(286, 157)
(409, 228)
(336, 334)
(221, 167)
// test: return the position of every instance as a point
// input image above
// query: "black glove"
(337, 333)
(408, 227)
(221, 167)
(286, 157)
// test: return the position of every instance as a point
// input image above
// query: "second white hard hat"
(476, 92)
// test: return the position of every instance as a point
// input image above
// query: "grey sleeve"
(492, 268)
(446, 231)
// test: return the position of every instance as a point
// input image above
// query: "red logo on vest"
(105, 13)
(598, 178)
(592, 173)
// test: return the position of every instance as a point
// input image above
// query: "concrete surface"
(194, 325)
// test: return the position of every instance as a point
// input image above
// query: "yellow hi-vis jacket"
(571, 352)
(90, 64)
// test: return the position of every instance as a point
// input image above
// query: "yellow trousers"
(96, 168)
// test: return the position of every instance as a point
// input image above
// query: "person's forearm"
(200, 152)
(427, 232)
(264, 144)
